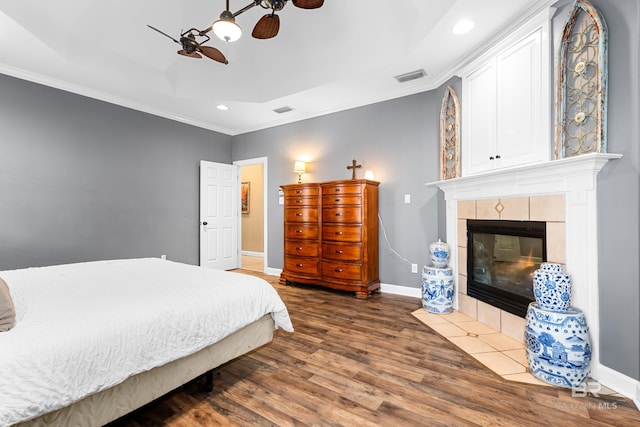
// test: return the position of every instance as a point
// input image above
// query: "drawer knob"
(298, 248)
(298, 191)
(298, 231)
(298, 200)
(338, 200)
(298, 265)
(298, 214)
(337, 190)
(339, 251)
(338, 270)
(338, 214)
(338, 233)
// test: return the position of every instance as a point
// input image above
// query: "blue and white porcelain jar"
(558, 345)
(552, 287)
(437, 289)
(439, 252)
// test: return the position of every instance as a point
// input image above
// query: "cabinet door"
(518, 121)
(479, 116)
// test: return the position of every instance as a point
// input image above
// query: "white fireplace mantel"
(576, 178)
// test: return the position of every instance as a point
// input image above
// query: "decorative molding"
(450, 135)
(581, 88)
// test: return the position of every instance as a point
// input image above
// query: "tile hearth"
(499, 353)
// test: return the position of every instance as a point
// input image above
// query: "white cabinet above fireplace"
(506, 102)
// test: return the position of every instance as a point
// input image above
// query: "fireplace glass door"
(502, 257)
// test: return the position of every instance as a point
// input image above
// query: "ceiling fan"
(227, 30)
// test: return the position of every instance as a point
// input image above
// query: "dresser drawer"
(301, 248)
(341, 189)
(302, 201)
(342, 271)
(301, 191)
(304, 266)
(301, 214)
(301, 231)
(342, 214)
(344, 199)
(342, 252)
(342, 233)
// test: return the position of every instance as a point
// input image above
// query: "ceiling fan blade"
(267, 27)
(163, 33)
(308, 4)
(213, 53)
(190, 55)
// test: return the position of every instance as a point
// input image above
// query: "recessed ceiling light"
(222, 107)
(463, 27)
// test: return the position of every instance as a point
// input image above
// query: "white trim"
(400, 290)
(264, 161)
(620, 383)
(253, 254)
(272, 271)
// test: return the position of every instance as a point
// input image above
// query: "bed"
(94, 341)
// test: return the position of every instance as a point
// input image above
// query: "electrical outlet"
(407, 198)
(163, 257)
(414, 268)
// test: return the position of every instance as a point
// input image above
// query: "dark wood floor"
(369, 362)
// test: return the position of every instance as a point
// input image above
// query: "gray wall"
(618, 195)
(83, 180)
(397, 139)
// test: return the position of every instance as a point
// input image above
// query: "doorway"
(253, 237)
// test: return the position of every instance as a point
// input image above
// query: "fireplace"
(501, 259)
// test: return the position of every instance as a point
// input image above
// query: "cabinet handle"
(298, 191)
(337, 190)
(298, 248)
(298, 231)
(337, 200)
(497, 156)
(338, 270)
(491, 158)
(338, 233)
(298, 265)
(338, 214)
(338, 251)
(298, 200)
(298, 214)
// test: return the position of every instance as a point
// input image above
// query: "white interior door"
(219, 202)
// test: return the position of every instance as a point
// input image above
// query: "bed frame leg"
(208, 382)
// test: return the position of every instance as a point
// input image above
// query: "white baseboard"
(401, 290)
(620, 383)
(255, 254)
(272, 271)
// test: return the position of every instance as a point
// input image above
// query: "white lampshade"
(369, 175)
(226, 29)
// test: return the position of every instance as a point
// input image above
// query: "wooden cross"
(353, 168)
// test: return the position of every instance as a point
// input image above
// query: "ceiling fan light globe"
(226, 29)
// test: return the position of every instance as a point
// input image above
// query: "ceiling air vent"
(418, 74)
(283, 110)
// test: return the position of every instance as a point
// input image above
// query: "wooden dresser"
(331, 235)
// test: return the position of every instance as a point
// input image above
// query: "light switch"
(407, 198)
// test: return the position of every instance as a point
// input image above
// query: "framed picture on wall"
(244, 195)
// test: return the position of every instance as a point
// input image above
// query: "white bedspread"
(82, 328)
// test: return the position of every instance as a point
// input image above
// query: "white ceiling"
(340, 56)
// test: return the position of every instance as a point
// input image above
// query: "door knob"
(204, 223)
